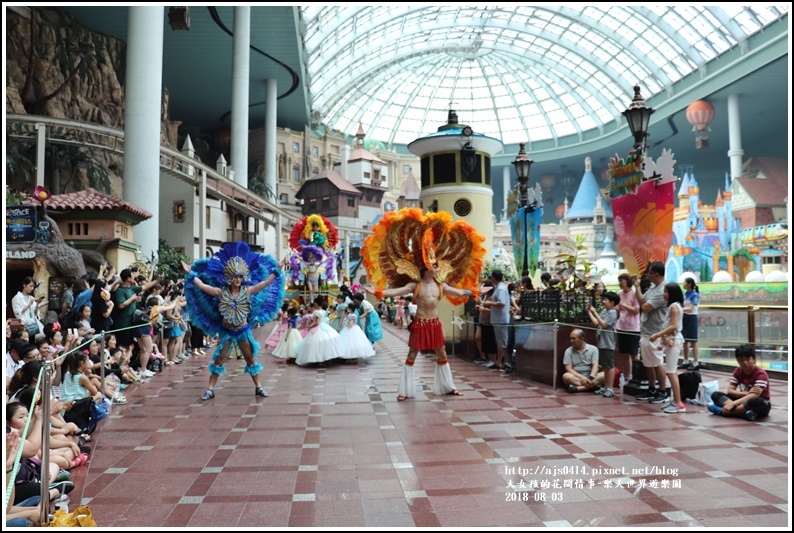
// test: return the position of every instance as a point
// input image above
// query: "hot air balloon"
(547, 181)
(560, 212)
(700, 114)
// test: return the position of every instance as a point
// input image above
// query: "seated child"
(748, 390)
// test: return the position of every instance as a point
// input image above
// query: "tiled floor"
(333, 448)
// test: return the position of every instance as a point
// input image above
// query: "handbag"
(705, 390)
(102, 409)
(82, 414)
(80, 517)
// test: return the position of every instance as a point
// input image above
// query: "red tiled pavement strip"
(332, 447)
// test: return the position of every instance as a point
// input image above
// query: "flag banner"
(534, 220)
(517, 223)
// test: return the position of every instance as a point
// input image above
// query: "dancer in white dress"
(352, 340)
(321, 344)
(290, 342)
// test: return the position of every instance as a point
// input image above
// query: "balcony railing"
(247, 237)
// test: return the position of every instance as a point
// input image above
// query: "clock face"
(467, 131)
(388, 206)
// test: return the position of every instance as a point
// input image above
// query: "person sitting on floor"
(581, 365)
(748, 390)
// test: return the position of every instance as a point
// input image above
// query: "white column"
(347, 255)
(735, 151)
(505, 190)
(270, 138)
(241, 53)
(279, 238)
(41, 145)
(202, 229)
(141, 174)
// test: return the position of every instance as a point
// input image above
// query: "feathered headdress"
(301, 233)
(405, 242)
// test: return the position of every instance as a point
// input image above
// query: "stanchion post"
(102, 361)
(44, 389)
(555, 329)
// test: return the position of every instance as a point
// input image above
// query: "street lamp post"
(522, 163)
(638, 116)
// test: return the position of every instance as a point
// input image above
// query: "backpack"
(689, 382)
(140, 316)
(70, 318)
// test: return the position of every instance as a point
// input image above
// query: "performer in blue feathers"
(229, 293)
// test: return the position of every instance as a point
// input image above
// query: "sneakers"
(659, 397)
(675, 408)
(63, 487)
(489, 364)
(479, 361)
(146, 373)
(119, 399)
(599, 390)
(750, 415)
(608, 393)
(685, 365)
(693, 366)
(715, 409)
(572, 388)
(646, 396)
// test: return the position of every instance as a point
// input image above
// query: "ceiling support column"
(271, 157)
(505, 190)
(144, 76)
(241, 54)
(735, 151)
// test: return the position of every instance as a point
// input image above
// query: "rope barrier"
(730, 342)
(43, 379)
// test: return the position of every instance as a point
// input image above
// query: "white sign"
(20, 254)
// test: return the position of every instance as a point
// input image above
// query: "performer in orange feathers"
(431, 257)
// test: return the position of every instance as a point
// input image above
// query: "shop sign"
(20, 223)
(20, 254)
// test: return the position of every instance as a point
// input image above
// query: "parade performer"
(310, 267)
(428, 256)
(352, 340)
(229, 293)
(313, 239)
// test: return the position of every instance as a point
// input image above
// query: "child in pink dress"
(273, 339)
(305, 321)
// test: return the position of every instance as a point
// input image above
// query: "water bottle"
(622, 381)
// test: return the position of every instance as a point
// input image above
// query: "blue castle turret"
(699, 228)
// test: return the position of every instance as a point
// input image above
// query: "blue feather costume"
(232, 318)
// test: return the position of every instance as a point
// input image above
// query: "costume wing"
(458, 252)
(267, 302)
(203, 307)
(391, 254)
(264, 305)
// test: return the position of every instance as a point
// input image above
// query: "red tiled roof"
(335, 178)
(92, 200)
(766, 191)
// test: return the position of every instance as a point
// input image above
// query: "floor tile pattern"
(332, 447)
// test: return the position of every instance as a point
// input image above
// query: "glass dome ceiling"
(514, 73)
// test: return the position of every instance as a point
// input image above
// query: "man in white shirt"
(499, 304)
